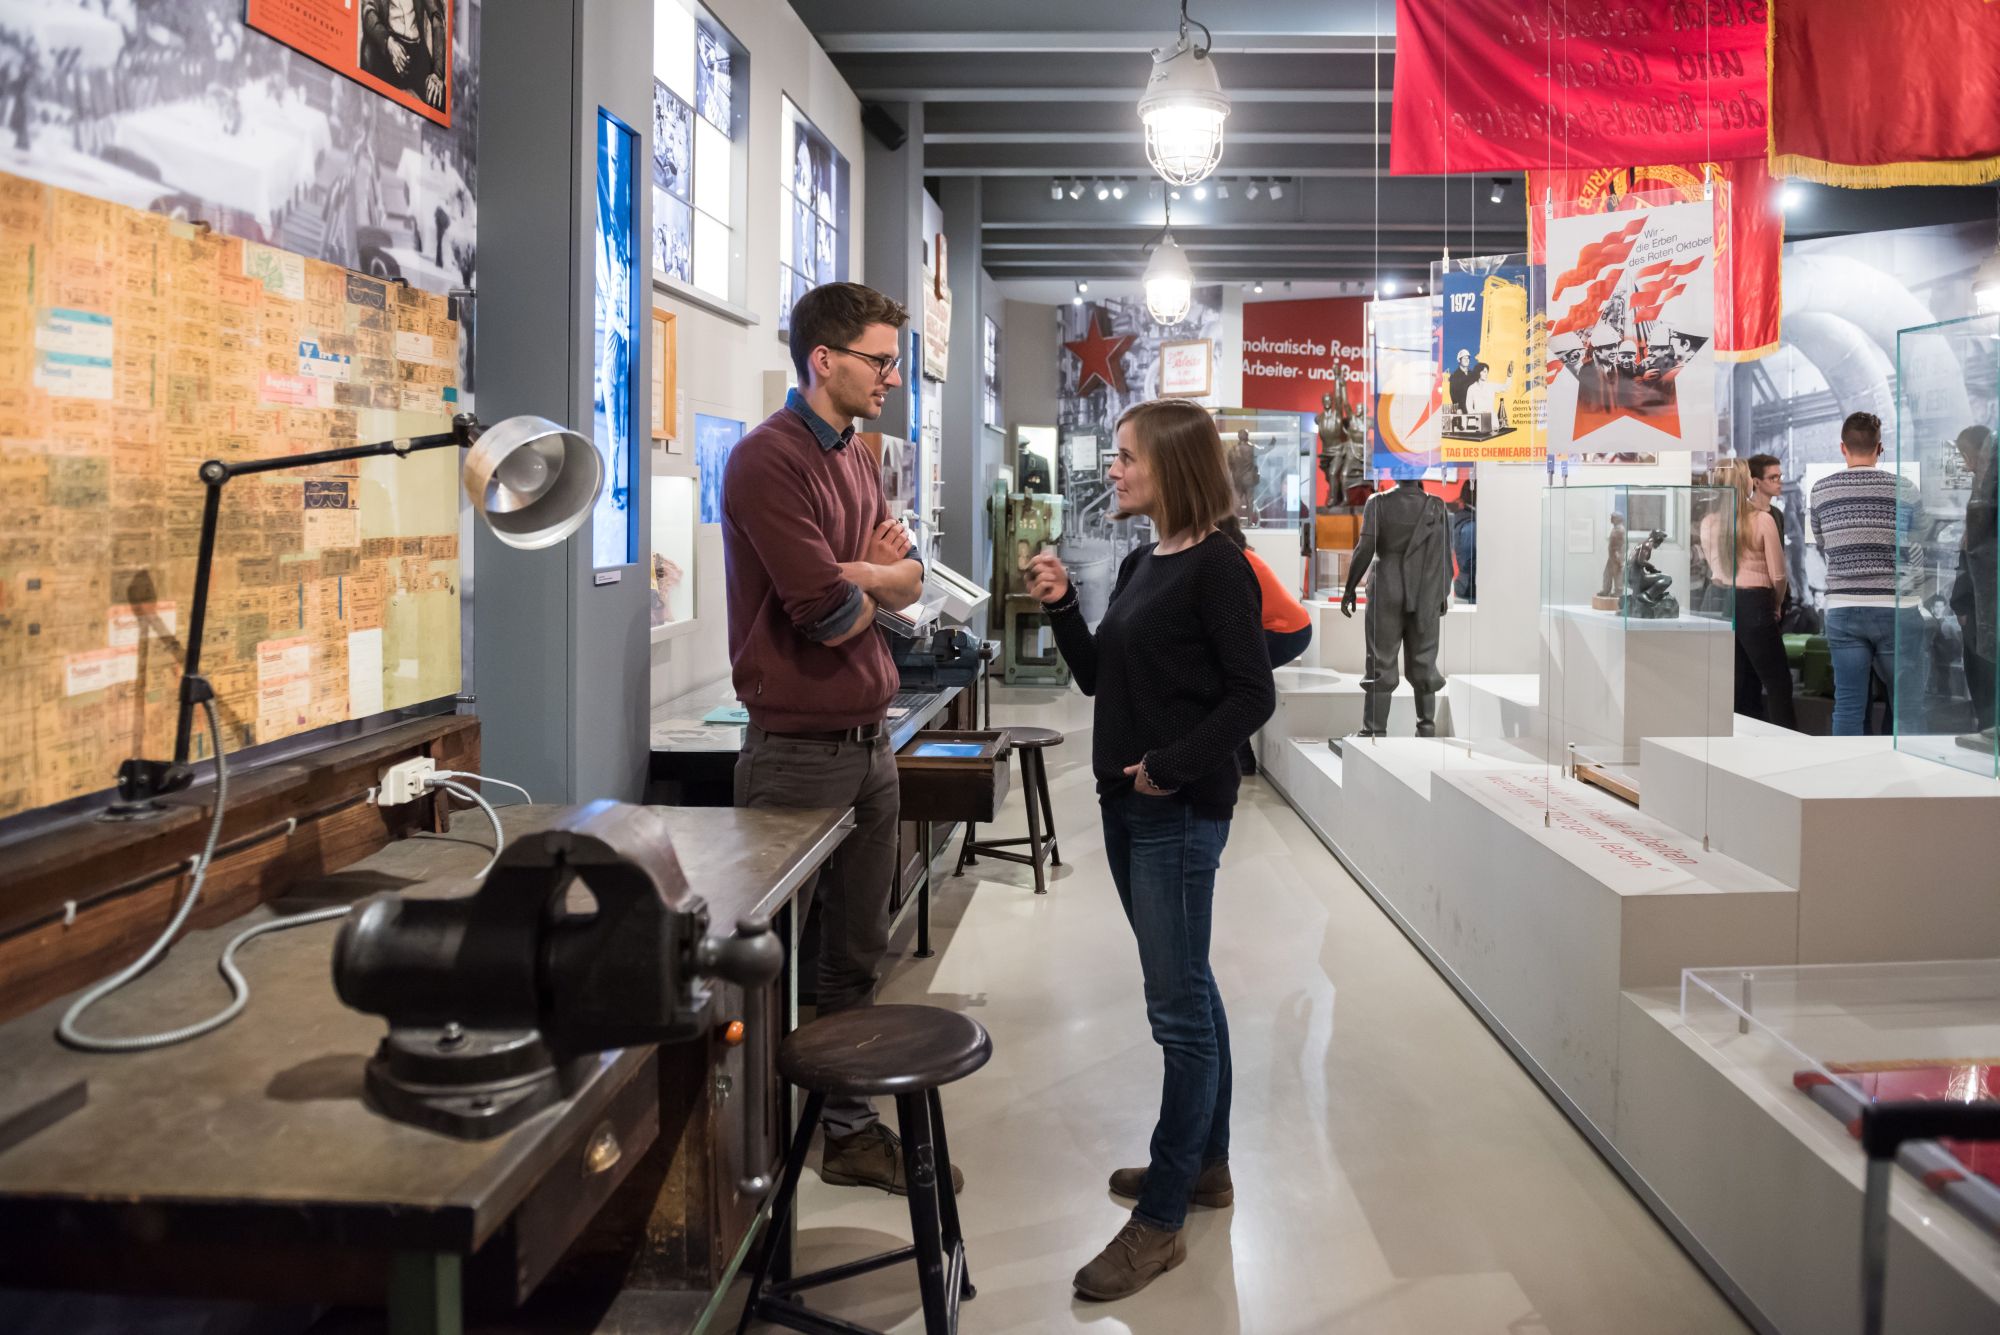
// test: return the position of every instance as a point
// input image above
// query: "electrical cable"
(67, 1030)
(526, 796)
(239, 986)
(499, 835)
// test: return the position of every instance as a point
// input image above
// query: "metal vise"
(498, 993)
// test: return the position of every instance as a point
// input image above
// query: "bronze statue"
(1614, 557)
(1646, 587)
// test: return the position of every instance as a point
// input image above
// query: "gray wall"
(563, 683)
(893, 254)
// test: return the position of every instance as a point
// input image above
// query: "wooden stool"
(907, 1052)
(1041, 840)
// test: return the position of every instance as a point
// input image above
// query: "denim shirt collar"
(822, 430)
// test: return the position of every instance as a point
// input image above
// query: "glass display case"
(1948, 529)
(1272, 466)
(1638, 601)
(1843, 1035)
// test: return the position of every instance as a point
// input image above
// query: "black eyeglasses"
(884, 366)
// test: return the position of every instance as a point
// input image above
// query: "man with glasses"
(811, 550)
(1767, 483)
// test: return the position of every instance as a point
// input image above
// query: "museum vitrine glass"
(1942, 695)
(1638, 603)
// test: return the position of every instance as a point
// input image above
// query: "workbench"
(244, 1164)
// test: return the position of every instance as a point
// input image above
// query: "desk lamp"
(532, 482)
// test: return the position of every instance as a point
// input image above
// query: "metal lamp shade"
(532, 482)
(1169, 282)
(1183, 109)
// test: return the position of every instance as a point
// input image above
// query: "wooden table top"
(258, 1131)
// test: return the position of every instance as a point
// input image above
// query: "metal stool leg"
(966, 857)
(1031, 799)
(1048, 813)
(954, 1238)
(781, 1207)
(921, 1171)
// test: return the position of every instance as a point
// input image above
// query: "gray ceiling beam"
(1051, 114)
(842, 19)
(1138, 137)
(1015, 93)
(1097, 43)
(1055, 249)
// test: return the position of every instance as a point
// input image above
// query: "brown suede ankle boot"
(1212, 1189)
(1132, 1260)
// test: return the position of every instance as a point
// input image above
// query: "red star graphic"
(1099, 356)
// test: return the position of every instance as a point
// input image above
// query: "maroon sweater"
(791, 512)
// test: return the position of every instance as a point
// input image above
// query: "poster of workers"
(1495, 406)
(1404, 417)
(399, 48)
(1631, 312)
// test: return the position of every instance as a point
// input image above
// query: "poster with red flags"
(1749, 233)
(1631, 312)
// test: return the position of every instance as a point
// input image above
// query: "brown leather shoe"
(872, 1158)
(1212, 1189)
(1135, 1258)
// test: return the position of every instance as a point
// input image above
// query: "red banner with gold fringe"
(1871, 94)
(1749, 235)
(1504, 85)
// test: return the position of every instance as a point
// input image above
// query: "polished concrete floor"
(1396, 1172)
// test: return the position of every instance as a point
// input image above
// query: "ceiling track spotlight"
(1498, 194)
(1075, 188)
(1183, 108)
(1101, 190)
(1222, 190)
(1277, 190)
(1257, 287)
(1251, 191)
(1055, 189)
(1201, 192)
(1118, 190)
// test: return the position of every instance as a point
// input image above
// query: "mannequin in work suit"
(1405, 533)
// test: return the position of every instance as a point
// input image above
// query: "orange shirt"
(1282, 611)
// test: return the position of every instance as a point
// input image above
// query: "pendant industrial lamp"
(1169, 278)
(1183, 108)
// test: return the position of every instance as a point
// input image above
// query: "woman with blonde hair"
(1181, 679)
(1757, 570)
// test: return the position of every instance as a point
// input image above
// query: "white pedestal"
(1341, 643)
(1895, 857)
(1612, 681)
(1547, 924)
(1316, 702)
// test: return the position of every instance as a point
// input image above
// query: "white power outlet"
(404, 781)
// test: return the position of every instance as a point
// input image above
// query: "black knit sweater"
(1178, 668)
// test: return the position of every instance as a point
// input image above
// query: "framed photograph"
(712, 78)
(401, 50)
(673, 236)
(1185, 369)
(673, 142)
(666, 363)
(615, 419)
(714, 438)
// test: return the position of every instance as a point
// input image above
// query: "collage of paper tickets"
(132, 348)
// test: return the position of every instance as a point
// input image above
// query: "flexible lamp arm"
(141, 781)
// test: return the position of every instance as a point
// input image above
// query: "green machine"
(1024, 525)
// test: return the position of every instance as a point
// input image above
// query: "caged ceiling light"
(1183, 108)
(1169, 279)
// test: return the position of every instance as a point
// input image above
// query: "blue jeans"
(1163, 860)
(1861, 641)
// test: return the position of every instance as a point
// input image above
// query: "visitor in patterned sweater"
(1862, 519)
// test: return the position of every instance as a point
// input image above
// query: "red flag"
(1498, 85)
(1590, 261)
(1749, 234)
(1871, 94)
